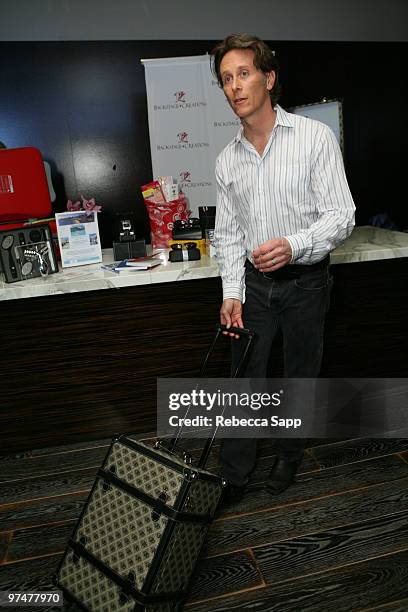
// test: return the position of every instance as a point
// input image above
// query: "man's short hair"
(264, 58)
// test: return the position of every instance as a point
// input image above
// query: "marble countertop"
(366, 243)
(92, 277)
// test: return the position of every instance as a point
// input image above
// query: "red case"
(24, 190)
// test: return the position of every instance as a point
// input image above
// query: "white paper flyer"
(78, 237)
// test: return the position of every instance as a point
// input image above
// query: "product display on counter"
(149, 260)
(209, 243)
(126, 250)
(188, 229)
(133, 265)
(200, 244)
(78, 238)
(24, 192)
(169, 188)
(207, 217)
(125, 242)
(162, 214)
(27, 252)
(184, 252)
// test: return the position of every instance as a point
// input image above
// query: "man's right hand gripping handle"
(231, 315)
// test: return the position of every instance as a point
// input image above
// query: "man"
(283, 204)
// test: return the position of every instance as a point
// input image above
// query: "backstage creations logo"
(229, 123)
(183, 142)
(185, 176)
(180, 96)
(180, 101)
(182, 137)
(186, 182)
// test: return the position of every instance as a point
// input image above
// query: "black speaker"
(128, 250)
(184, 255)
(27, 252)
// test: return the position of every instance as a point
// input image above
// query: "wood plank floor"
(338, 538)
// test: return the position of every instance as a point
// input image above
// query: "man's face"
(246, 87)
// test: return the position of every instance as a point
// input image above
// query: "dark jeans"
(295, 300)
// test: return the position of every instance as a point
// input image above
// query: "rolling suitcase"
(138, 538)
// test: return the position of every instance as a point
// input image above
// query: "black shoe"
(281, 476)
(233, 494)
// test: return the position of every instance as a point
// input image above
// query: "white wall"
(341, 20)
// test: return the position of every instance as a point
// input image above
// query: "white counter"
(365, 244)
(368, 243)
(91, 277)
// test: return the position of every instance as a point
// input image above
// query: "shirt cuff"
(298, 245)
(235, 292)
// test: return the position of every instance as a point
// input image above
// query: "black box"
(127, 250)
(190, 229)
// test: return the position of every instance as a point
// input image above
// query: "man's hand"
(272, 255)
(231, 315)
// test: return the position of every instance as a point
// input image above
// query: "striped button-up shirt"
(296, 189)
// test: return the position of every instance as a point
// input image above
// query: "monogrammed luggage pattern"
(140, 533)
(125, 533)
(94, 591)
(118, 529)
(154, 478)
(145, 473)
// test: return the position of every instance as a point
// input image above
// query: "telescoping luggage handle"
(242, 332)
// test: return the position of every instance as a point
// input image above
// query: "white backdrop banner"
(190, 122)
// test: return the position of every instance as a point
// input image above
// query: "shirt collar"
(282, 118)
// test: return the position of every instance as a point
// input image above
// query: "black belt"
(290, 271)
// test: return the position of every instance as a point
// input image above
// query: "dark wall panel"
(369, 77)
(83, 104)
